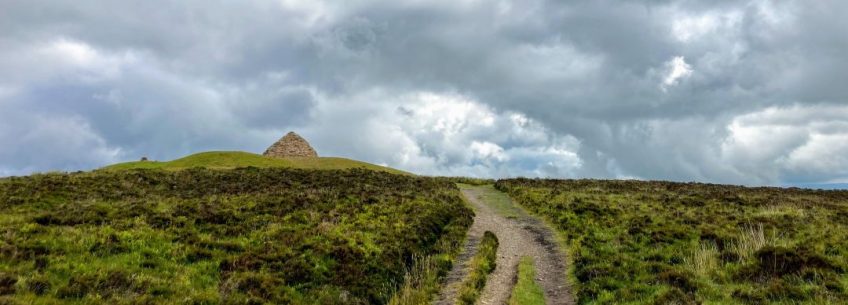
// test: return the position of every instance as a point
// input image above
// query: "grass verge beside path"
(422, 281)
(481, 266)
(527, 291)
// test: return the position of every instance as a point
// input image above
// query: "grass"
(467, 180)
(481, 265)
(527, 291)
(422, 281)
(237, 159)
(242, 236)
(498, 200)
(647, 242)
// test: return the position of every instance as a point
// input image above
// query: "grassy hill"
(240, 228)
(650, 242)
(241, 236)
(236, 159)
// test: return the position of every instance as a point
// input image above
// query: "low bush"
(526, 290)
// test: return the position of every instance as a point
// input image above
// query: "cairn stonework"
(290, 145)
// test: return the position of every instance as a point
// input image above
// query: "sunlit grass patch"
(502, 204)
(781, 210)
(704, 260)
(527, 291)
(237, 159)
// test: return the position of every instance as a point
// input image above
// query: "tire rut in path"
(520, 236)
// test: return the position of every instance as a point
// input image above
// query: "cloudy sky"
(742, 92)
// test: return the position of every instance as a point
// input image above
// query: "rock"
(290, 145)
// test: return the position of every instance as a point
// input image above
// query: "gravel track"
(519, 236)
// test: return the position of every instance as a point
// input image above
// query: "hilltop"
(290, 151)
(238, 159)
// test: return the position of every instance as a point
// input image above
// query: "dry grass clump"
(704, 260)
(750, 239)
(419, 283)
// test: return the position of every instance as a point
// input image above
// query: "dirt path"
(518, 235)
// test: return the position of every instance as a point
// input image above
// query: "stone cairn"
(290, 145)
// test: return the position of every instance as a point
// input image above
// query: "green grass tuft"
(527, 291)
(481, 265)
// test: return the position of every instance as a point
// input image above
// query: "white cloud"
(690, 28)
(676, 70)
(447, 114)
(687, 28)
(443, 134)
(488, 150)
(804, 143)
(83, 61)
(63, 59)
(822, 153)
(74, 52)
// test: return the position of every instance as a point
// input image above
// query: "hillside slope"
(201, 236)
(237, 159)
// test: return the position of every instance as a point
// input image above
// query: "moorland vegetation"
(240, 228)
(241, 236)
(648, 242)
(526, 291)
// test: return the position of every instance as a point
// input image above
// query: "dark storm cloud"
(683, 90)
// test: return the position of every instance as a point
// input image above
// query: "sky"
(737, 92)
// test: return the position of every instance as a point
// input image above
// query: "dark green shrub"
(38, 285)
(7, 283)
(109, 245)
(779, 261)
(778, 289)
(77, 287)
(679, 279)
(749, 296)
(675, 296)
